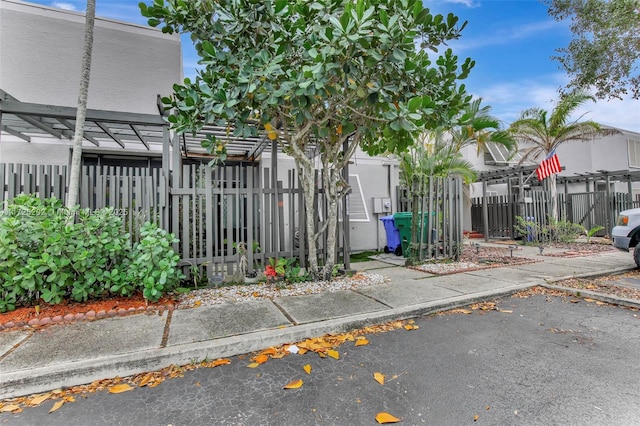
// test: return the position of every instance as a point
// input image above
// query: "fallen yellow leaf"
(410, 327)
(253, 365)
(307, 368)
(146, 380)
(123, 387)
(383, 418)
(12, 408)
(333, 354)
(269, 351)
(379, 377)
(475, 418)
(588, 299)
(261, 359)
(461, 311)
(221, 361)
(39, 399)
(57, 406)
(296, 384)
(362, 342)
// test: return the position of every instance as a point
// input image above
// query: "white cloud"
(507, 35)
(468, 3)
(64, 5)
(624, 114)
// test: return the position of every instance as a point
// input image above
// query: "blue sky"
(512, 42)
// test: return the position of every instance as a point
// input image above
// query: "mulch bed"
(579, 249)
(474, 260)
(605, 285)
(484, 257)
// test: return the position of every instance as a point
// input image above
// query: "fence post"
(485, 211)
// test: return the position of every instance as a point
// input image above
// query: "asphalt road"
(548, 362)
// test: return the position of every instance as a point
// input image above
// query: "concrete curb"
(36, 380)
(603, 273)
(620, 301)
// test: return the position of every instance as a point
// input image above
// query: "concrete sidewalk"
(37, 360)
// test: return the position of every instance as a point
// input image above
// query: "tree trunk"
(76, 159)
(307, 180)
(330, 186)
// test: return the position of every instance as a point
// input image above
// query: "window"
(634, 152)
(498, 154)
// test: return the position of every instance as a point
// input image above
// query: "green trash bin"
(403, 223)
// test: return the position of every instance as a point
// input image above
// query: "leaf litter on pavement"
(324, 346)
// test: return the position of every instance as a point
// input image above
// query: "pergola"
(116, 130)
(520, 176)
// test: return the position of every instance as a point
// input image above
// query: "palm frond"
(565, 107)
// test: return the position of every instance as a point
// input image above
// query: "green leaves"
(155, 263)
(43, 256)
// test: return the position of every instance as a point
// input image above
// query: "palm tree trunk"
(81, 112)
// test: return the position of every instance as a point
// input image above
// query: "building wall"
(40, 60)
(378, 177)
(606, 153)
(41, 52)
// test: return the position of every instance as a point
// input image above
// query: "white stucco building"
(40, 60)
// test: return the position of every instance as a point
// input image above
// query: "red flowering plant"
(275, 269)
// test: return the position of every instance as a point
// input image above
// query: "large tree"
(542, 132)
(327, 75)
(605, 50)
(81, 109)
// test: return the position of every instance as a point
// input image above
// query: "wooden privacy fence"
(443, 202)
(589, 209)
(216, 208)
(210, 210)
(46, 181)
(138, 194)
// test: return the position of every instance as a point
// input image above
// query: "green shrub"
(51, 253)
(154, 263)
(556, 231)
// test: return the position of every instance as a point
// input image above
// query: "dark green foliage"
(51, 253)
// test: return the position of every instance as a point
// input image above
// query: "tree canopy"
(605, 50)
(323, 76)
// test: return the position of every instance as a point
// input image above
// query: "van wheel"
(636, 255)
